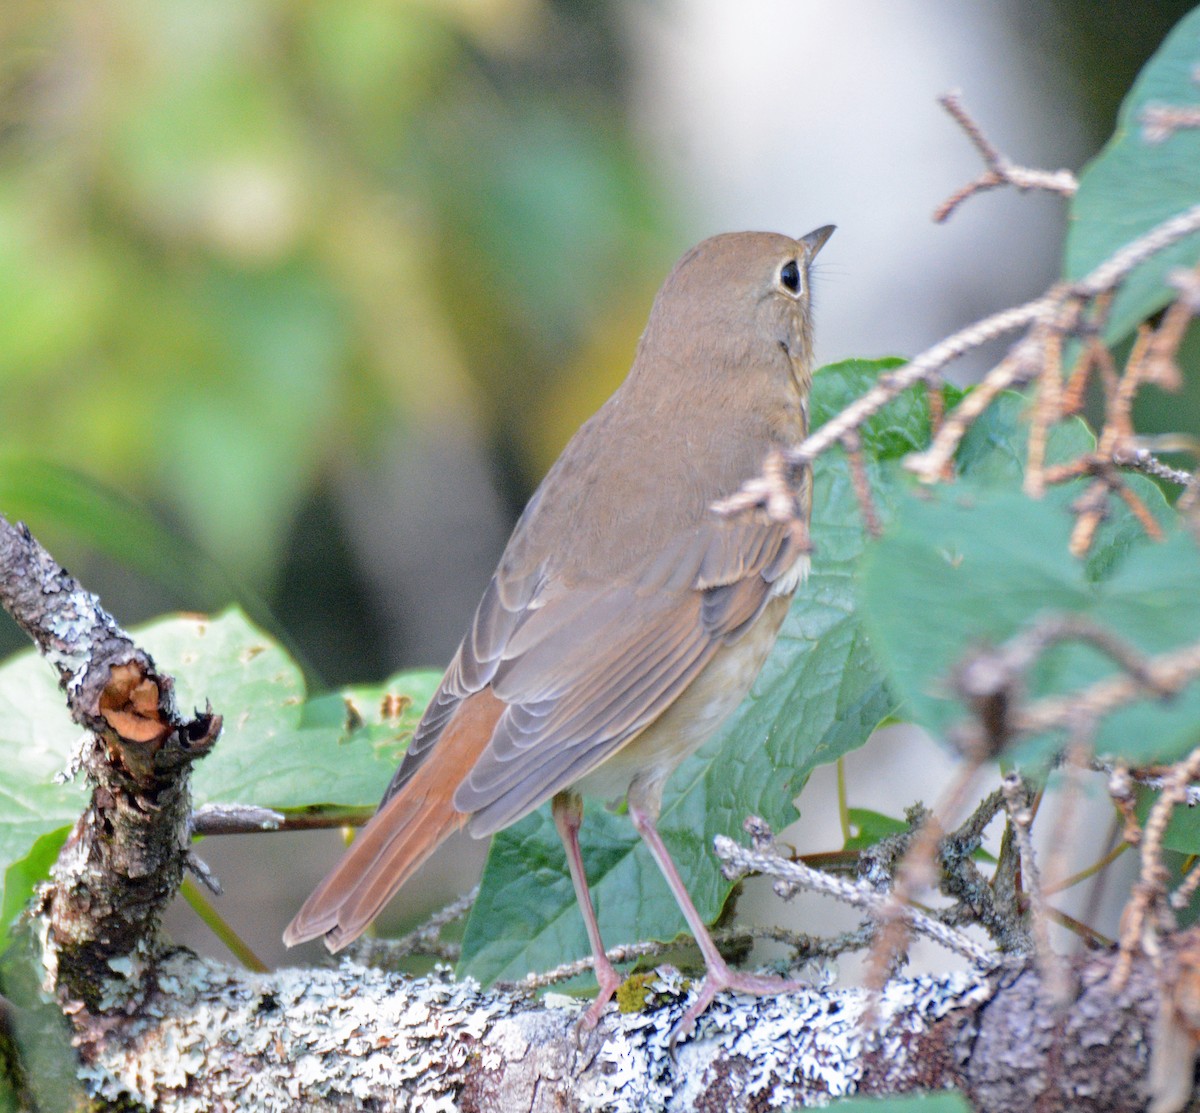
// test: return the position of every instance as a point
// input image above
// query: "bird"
(626, 619)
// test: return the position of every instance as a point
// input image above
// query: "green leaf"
(23, 875)
(947, 1101)
(276, 749)
(36, 737)
(987, 563)
(1135, 184)
(871, 827)
(1183, 831)
(819, 695)
(899, 428)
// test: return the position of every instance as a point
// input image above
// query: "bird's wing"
(583, 669)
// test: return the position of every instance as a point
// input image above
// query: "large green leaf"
(988, 562)
(1134, 183)
(276, 749)
(819, 695)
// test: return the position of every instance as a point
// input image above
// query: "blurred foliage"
(1101, 45)
(1136, 182)
(244, 243)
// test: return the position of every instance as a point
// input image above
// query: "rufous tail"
(401, 835)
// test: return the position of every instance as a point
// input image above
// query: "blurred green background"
(258, 257)
(298, 298)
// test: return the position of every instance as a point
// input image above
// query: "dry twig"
(1147, 913)
(1161, 121)
(738, 860)
(1000, 170)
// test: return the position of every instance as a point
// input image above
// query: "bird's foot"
(610, 982)
(720, 977)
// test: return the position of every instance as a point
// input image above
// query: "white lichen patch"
(72, 627)
(211, 1037)
(797, 1049)
(294, 1038)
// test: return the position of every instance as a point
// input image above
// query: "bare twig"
(1161, 121)
(1182, 896)
(1022, 365)
(924, 368)
(990, 681)
(915, 871)
(1152, 779)
(738, 860)
(1000, 170)
(1109, 273)
(1047, 411)
(1163, 676)
(1016, 798)
(244, 819)
(429, 933)
(1020, 816)
(1120, 790)
(1147, 913)
(1141, 459)
(861, 484)
(239, 819)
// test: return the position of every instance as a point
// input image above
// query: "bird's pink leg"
(567, 809)
(718, 976)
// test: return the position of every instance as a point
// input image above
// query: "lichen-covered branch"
(352, 1037)
(124, 859)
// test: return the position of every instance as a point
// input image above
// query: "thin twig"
(1120, 791)
(1047, 411)
(1147, 913)
(1144, 461)
(738, 860)
(1082, 875)
(1161, 121)
(1000, 170)
(1154, 780)
(431, 929)
(916, 870)
(861, 484)
(1108, 274)
(1164, 676)
(990, 680)
(923, 368)
(423, 940)
(1020, 817)
(1021, 365)
(246, 819)
(239, 819)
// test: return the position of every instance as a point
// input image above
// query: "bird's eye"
(789, 276)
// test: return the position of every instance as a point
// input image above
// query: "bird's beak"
(815, 240)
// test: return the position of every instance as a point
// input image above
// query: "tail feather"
(401, 835)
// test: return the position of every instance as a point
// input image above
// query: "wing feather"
(584, 667)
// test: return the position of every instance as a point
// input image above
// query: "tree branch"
(354, 1037)
(124, 859)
